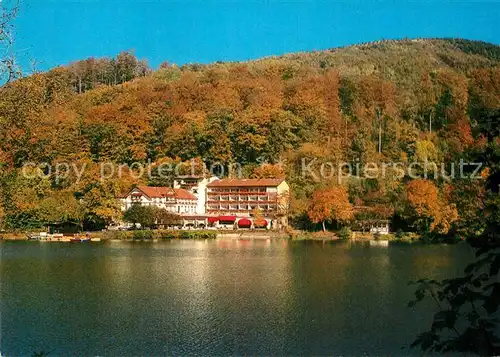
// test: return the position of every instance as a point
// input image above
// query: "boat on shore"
(80, 240)
(44, 236)
(59, 237)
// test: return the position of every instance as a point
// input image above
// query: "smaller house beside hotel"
(175, 200)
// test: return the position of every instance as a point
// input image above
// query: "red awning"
(213, 219)
(244, 222)
(227, 218)
(260, 223)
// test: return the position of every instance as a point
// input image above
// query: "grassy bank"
(206, 234)
(356, 236)
(392, 237)
(13, 236)
(171, 234)
(130, 235)
(154, 235)
(315, 236)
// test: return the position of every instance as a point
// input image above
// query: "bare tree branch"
(9, 68)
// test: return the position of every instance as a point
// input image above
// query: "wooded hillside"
(390, 101)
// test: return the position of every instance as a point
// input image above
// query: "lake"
(217, 297)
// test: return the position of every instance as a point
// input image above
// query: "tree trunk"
(379, 131)
(380, 137)
(346, 139)
(430, 123)
(323, 223)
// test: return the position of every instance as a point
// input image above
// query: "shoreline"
(163, 235)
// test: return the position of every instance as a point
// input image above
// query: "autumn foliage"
(391, 101)
(431, 211)
(330, 205)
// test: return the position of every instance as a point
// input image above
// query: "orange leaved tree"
(431, 212)
(330, 204)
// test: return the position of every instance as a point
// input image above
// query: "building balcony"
(211, 201)
(217, 193)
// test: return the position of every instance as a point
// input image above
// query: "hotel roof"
(158, 192)
(246, 183)
(184, 195)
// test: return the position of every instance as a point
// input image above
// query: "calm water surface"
(215, 297)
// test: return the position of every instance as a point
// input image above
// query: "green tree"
(146, 216)
(61, 207)
(167, 218)
(2, 215)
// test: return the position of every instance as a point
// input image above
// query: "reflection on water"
(214, 297)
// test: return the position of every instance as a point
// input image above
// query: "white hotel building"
(212, 201)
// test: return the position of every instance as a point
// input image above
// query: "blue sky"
(56, 32)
